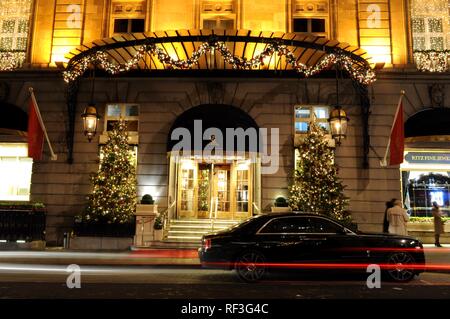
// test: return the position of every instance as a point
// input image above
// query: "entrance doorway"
(214, 190)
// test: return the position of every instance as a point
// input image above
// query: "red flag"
(397, 142)
(35, 132)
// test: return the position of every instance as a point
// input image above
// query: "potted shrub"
(147, 206)
(281, 205)
(158, 228)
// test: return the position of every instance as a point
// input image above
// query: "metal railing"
(19, 224)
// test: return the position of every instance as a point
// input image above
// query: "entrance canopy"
(224, 50)
(207, 124)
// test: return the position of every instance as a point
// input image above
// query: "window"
(218, 14)
(15, 172)
(127, 112)
(218, 23)
(14, 31)
(294, 225)
(311, 16)
(430, 25)
(305, 114)
(129, 25)
(322, 225)
(310, 25)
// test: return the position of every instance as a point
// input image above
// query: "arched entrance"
(426, 167)
(214, 164)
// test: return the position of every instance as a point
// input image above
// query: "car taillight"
(206, 244)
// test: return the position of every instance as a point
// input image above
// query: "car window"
(322, 225)
(293, 225)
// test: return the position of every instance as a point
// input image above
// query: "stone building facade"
(382, 28)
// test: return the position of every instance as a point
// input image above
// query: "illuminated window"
(127, 17)
(128, 112)
(14, 31)
(304, 114)
(218, 14)
(15, 172)
(430, 25)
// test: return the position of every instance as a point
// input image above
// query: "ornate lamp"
(338, 118)
(90, 121)
(338, 124)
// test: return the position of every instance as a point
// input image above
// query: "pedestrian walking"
(397, 218)
(438, 223)
(389, 204)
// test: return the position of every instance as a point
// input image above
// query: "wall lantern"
(338, 124)
(90, 121)
(338, 118)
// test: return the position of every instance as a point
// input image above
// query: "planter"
(104, 229)
(158, 234)
(281, 209)
(22, 222)
(145, 219)
(100, 243)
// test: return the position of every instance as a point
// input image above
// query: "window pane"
(321, 112)
(317, 25)
(300, 25)
(435, 25)
(8, 26)
(324, 125)
(324, 226)
(437, 43)
(301, 127)
(419, 43)
(227, 24)
(293, 225)
(209, 24)
(121, 26)
(418, 25)
(113, 110)
(131, 110)
(137, 25)
(302, 113)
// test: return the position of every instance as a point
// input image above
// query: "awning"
(224, 50)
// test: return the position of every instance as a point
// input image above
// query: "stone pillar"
(145, 219)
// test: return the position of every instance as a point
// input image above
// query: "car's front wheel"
(399, 267)
(250, 266)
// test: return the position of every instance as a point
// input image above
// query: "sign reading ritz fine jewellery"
(427, 158)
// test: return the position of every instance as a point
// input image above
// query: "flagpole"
(54, 157)
(383, 162)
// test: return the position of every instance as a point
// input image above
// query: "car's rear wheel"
(398, 269)
(250, 266)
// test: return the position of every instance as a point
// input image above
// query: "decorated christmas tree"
(316, 187)
(113, 199)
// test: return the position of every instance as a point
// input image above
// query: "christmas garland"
(362, 75)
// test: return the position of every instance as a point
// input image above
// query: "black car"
(308, 241)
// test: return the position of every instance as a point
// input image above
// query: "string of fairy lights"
(11, 60)
(100, 58)
(432, 61)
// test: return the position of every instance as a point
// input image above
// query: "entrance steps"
(192, 230)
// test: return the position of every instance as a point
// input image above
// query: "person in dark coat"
(389, 204)
(438, 224)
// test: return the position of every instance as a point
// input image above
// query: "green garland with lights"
(316, 187)
(113, 199)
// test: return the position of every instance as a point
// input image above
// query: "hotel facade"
(232, 64)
